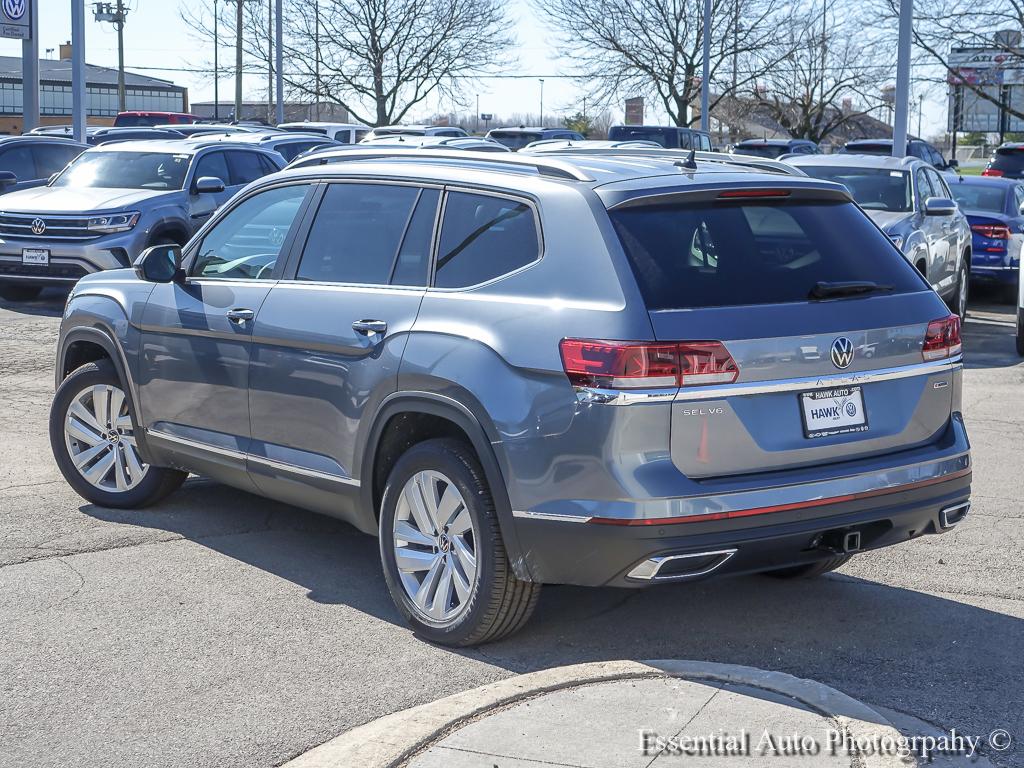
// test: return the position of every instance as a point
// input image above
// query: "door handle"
(366, 327)
(240, 315)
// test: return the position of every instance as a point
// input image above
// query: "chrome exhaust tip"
(680, 567)
(950, 516)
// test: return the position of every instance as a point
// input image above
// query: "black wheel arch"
(482, 438)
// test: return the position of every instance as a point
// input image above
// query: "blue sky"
(156, 37)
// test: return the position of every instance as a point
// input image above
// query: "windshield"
(977, 197)
(515, 139)
(759, 150)
(874, 189)
(731, 254)
(125, 170)
(666, 137)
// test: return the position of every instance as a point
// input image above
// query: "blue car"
(993, 208)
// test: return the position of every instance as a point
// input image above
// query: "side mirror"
(8, 179)
(159, 264)
(939, 206)
(208, 185)
(953, 163)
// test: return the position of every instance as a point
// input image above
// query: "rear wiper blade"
(832, 290)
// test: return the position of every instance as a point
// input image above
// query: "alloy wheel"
(100, 439)
(435, 547)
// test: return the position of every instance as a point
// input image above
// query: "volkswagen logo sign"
(15, 9)
(842, 352)
(39, 227)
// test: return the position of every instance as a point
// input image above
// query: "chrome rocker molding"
(241, 456)
(596, 395)
(649, 569)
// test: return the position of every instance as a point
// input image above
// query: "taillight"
(942, 339)
(992, 172)
(992, 231)
(634, 365)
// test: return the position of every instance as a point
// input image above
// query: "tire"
(1020, 331)
(960, 297)
(811, 570)
(113, 473)
(14, 292)
(492, 603)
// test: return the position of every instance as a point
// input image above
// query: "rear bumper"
(1005, 275)
(590, 554)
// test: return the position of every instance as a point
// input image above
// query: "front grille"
(62, 271)
(19, 226)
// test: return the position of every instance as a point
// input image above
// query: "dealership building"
(141, 93)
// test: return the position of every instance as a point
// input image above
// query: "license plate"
(837, 411)
(39, 257)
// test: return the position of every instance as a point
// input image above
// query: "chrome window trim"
(598, 395)
(297, 470)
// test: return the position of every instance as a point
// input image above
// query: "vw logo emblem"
(14, 9)
(38, 226)
(842, 352)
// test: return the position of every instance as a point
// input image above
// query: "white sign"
(15, 19)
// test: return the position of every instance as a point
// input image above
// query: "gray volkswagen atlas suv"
(112, 202)
(623, 368)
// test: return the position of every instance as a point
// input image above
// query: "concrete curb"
(388, 741)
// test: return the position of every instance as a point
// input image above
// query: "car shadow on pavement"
(49, 304)
(944, 660)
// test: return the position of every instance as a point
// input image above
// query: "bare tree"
(831, 65)
(379, 59)
(382, 58)
(654, 47)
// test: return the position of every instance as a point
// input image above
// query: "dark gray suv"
(609, 367)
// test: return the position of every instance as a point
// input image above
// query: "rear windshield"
(977, 197)
(666, 137)
(760, 150)
(874, 189)
(515, 139)
(1008, 160)
(731, 254)
(868, 149)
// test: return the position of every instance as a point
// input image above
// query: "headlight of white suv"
(115, 222)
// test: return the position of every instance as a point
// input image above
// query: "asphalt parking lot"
(219, 629)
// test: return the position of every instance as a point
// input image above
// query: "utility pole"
(238, 59)
(705, 84)
(920, 109)
(116, 15)
(30, 70)
(270, 61)
(899, 129)
(316, 45)
(541, 101)
(279, 53)
(78, 69)
(216, 66)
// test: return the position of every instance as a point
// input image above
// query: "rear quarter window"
(733, 254)
(484, 237)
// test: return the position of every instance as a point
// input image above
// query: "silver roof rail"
(759, 163)
(545, 166)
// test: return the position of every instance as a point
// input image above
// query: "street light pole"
(279, 62)
(705, 85)
(899, 130)
(78, 69)
(541, 101)
(238, 59)
(316, 45)
(119, 23)
(216, 66)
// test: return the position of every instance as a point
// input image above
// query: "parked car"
(558, 145)
(915, 148)
(112, 202)
(107, 135)
(1007, 161)
(28, 161)
(912, 203)
(344, 133)
(198, 129)
(775, 148)
(447, 131)
(995, 211)
(334, 154)
(668, 136)
(451, 382)
(134, 118)
(517, 138)
(288, 145)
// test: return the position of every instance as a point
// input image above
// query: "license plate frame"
(845, 421)
(35, 257)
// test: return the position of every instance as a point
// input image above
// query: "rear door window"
(245, 167)
(484, 237)
(732, 254)
(20, 162)
(356, 233)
